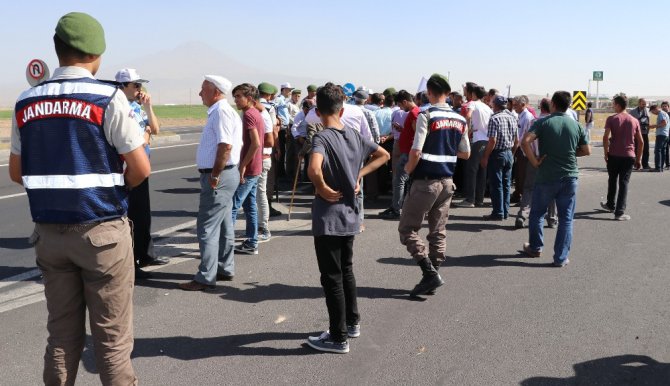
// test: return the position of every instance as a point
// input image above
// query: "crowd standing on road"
(93, 225)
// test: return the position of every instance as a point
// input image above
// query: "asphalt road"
(500, 319)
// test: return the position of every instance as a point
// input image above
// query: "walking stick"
(295, 185)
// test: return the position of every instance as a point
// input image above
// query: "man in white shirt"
(478, 117)
(217, 157)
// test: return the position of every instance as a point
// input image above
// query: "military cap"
(441, 80)
(296, 91)
(267, 88)
(390, 91)
(311, 88)
(82, 32)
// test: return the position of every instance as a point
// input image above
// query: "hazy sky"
(536, 46)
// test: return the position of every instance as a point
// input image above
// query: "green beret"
(296, 91)
(441, 80)
(311, 88)
(267, 88)
(81, 31)
(390, 91)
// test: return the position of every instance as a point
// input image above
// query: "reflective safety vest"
(438, 155)
(71, 173)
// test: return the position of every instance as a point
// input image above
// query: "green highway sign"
(598, 76)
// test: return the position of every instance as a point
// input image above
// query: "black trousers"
(619, 170)
(139, 212)
(334, 255)
(645, 151)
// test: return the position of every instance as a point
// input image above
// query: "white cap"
(128, 75)
(286, 85)
(220, 82)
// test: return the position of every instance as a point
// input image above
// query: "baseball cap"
(500, 100)
(128, 75)
(219, 82)
(82, 32)
(285, 85)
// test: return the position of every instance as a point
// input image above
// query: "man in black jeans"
(641, 113)
(335, 170)
(622, 132)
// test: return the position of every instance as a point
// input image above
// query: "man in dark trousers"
(622, 132)
(335, 169)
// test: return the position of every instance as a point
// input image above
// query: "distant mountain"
(176, 75)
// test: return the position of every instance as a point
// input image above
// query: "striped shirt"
(224, 125)
(503, 127)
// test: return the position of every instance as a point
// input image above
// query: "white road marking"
(12, 195)
(172, 169)
(153, 172)
(171, 146)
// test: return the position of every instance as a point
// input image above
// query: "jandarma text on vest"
(59, 108)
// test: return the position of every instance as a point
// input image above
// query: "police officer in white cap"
(217, 158)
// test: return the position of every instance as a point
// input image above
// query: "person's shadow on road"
(476, 261)
(616, 370)
(276, 291)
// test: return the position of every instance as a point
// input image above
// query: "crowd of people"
(425, 148)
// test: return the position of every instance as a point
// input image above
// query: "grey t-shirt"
(344, 152)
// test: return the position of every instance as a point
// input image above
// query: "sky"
(535, 47)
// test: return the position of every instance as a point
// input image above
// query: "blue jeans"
(659, 151)
(564, 191)
(216, 233)
(499, 171)
(245, 196)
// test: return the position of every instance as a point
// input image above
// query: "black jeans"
(645, 151)
(139, 212)
(619, 170)
(334, 255)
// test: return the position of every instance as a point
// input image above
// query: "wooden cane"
(295, 185)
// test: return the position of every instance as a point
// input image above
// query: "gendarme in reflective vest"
(438, 155)
(71, 173)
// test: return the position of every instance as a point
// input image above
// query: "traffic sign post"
(598, 77)
(579, 100)
(349, 89)
(36, 72)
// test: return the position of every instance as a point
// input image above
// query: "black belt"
(203, 171)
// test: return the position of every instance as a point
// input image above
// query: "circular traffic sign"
(37, 72)
(349, 89)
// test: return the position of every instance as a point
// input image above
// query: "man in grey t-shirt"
(335, 170)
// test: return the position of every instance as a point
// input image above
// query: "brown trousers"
(431, 199)
(88, 266)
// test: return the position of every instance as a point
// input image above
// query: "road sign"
(349, 89)
(598, 76)
(579, 100)
(36, 72)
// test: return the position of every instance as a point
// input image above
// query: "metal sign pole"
(597, 94)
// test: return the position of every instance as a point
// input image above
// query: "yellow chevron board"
(579, 100)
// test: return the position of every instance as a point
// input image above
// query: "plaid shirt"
(503, 126)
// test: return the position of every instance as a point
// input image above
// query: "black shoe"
(155, 261)
(519, 223)
(430, 280)
(389, 214)
(274, 212)
(490, 217)
(224, 277)
(428, 283)
(141, 275)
